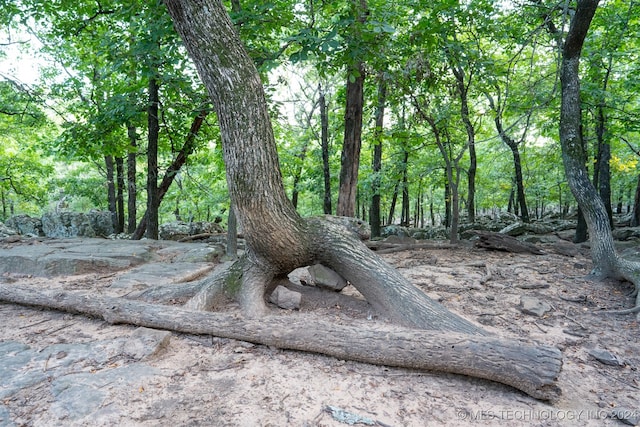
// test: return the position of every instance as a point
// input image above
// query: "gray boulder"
(178, 230)
(324, 277)
(6, 231)
(285, 298)
(75, 224)
(25, 225)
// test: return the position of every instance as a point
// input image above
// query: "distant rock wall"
(60, 225)
(76, 224)
(25, 225)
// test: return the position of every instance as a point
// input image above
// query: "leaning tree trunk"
(606, 261)
(278, 240)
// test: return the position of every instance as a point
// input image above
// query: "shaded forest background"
(425, 113)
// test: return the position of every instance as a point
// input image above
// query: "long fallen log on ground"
(532, 369)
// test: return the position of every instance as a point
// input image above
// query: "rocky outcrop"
(6, 231)
(75, 224)
(25, 225)
(179, 230)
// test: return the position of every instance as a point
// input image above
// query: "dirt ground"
(208, 381)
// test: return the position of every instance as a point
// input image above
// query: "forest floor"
(64, 369)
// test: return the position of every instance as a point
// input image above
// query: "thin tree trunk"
(296, 177)
(447, 198)
(635, 218)
(153, 202)
(394, 200)
(463, 90)
(324, 142)
(374, 214)
(131, 179)
(404, 217)
(111, 190)
(187, 149)
(120, 194)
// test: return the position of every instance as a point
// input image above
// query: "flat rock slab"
(146, 342)
(80, 376)
(157, 274)
(73, 256)
(51, 258)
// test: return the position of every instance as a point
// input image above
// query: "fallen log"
(531, 369)
(382, 247)
(504, 242)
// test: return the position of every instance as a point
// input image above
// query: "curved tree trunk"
(606, 261)
(277, 239)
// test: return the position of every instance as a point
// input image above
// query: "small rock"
(326, 278)
(285, 298)
(627, 415)
(533, 306)
(606, 357)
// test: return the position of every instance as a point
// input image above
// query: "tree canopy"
(470, 125)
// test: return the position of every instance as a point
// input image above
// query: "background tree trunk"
(152, 160)
(463, 90)
(131, 180)
(374, 213)
(111, 190)
(635, 218)
(324, 143)
(187, 149)
(120, 194)
(350, 160)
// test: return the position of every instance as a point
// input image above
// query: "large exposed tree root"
(531, 369)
